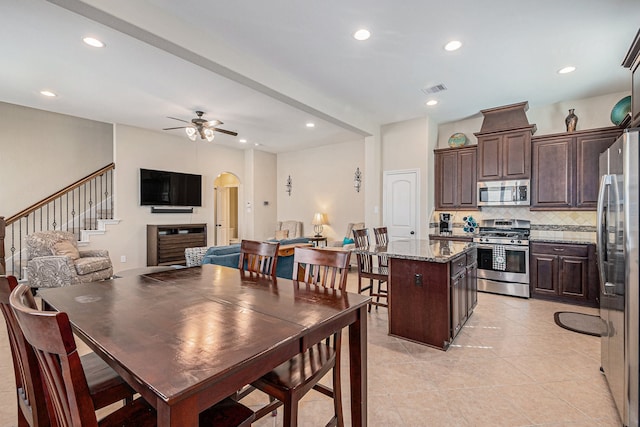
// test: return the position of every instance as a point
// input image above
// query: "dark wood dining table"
(187, 338)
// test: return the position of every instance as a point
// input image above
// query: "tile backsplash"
(557, 224)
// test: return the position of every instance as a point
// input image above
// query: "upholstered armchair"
(288, 230)
(346, 242)
(54, 261)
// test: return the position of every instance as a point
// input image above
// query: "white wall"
(264, 190)
(322, 182)
(592, 113)
(137, 148)
(409, 145)
(42, 152)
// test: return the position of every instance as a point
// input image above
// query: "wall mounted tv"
(164, 188)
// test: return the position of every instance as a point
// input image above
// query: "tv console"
(166, 243)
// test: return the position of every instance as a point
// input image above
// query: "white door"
(400, 200)
(222, 216)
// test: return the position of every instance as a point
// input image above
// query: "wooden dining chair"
(65, 382)
(105, 385)
(259, 257)
(290, 381)
(382, 239)
(367, 269)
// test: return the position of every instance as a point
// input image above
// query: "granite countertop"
(568, 240)
(423, 250)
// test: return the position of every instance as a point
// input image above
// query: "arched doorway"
(226, 208)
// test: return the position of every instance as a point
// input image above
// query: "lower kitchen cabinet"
(564, 272)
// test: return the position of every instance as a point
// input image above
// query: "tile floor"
(510, 366)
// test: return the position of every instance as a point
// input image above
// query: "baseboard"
(171, 210)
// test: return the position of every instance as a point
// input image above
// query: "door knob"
(412, 232)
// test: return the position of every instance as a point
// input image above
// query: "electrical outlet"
(123, 258)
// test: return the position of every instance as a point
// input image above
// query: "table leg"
(183, 415)
(358, 368)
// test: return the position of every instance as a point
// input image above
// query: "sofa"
(229, 256)
(287, 230)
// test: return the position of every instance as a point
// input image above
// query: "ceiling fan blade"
(180, 120)
(179, 127)
(213, 123)
(228, 132)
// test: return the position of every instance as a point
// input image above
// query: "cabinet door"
(490, 158)
(472, 287)
(457, 284)
(516, 149)
(467, 178)
(445, 179)
(544, 274)
(573, 277)
(588, 150)
(552, 173)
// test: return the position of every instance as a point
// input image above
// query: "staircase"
(84, 208)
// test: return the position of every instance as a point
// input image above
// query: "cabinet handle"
(558, 249)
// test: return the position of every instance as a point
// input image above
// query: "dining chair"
(382, 239)
(290, 381)
(259, 257)
(368, 270)
(65, 382)
(105, 385)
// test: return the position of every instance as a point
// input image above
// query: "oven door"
(513, 267)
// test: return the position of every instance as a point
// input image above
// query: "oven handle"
(507, 247)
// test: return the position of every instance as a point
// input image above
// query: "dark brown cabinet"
(455, 178)
(632, 61)
(564, 272)
(504, 155)
(565, 168)
(166, 243)
(431, 301)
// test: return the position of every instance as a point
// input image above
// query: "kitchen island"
(432, 289)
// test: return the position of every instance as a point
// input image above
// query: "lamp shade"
(319, 219)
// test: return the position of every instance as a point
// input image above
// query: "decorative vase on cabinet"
(571, 121)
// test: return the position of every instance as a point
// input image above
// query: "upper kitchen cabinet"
(455, 178)
(632, 61)
(565, 168)
(504, 143)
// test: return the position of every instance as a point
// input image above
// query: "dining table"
(187, 338)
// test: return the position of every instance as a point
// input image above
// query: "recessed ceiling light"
(565, 70)
(431, 102)
(242, 141)
(361, 34)
(91, 41)
(257, 144)
(48, 93)
(453, 45)
(311, 125)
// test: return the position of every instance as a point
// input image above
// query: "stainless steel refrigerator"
(618, 263)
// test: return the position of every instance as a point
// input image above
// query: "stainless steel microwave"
(504, 193)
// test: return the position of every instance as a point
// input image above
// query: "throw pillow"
(347, 241)
(282, 234)
(66, 248)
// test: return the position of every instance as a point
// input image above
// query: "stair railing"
(76, 207)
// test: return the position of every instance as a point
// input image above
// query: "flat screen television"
(164, 188)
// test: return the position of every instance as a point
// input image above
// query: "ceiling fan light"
(208, 133)
(191, 133)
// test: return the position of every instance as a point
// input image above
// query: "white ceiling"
(265, 68)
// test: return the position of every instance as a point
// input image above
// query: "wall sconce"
(288, 185)
(357, 180)
(319, 219)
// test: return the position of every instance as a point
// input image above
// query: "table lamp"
(319, 219)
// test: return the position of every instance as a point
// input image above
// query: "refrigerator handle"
(601, 241)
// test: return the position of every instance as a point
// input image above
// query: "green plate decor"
(457, 140)
(620, 110)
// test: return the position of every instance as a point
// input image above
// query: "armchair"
(348, 237)
(288, 230)
(53, 260)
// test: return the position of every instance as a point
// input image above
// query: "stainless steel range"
(503, 256)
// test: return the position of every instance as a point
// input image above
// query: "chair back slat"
(259, 257)
(365, 261)
(321, 267)
(31, 398)
(52, 339)
(382, 239)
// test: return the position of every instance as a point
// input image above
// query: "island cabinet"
(455, 178)
(565, 168)
(564, 272)
(431, 301)
(166, 243)
(504, 155)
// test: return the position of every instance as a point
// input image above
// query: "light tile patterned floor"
(510, 366)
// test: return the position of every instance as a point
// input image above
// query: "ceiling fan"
(199, 126)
